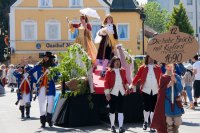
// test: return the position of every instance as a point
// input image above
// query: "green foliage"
(179, 18)
(137, 64)
(156, 17)
(4, 23)
(128, 56)
(69, 69)
(68, 66)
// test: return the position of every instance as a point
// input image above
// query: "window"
(53, 31)
(190, 15)
(95, 29)
(74, 34)
(199, 29)
(76, 3)
(176, 2)
(123, 31)
(199, 15)
(189, 2)
(29, 30)
(45, 3)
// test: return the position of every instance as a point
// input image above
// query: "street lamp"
(197, 35)
(142, 17)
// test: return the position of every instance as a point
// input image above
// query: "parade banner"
(172, 47)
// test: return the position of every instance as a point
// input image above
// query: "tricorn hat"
(48, 54)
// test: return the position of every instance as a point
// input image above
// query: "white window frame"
(70, 4)
(189, 4)
(29, 22)
(199, 15)
(69, 32)
(190, 16)
(55, 22)
(199, 29)
(50, 5)
(128, 30)
(95, 23)
(176, 3)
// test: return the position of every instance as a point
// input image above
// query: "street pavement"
(10, 121)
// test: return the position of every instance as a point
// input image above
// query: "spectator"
(188, 80)
(196, 85)
(11, 78)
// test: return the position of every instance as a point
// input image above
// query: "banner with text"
(172, 47)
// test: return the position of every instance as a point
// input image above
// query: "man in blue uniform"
(45, 88)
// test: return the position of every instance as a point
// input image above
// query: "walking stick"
(172, 93)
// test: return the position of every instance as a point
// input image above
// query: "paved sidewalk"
(10, 121)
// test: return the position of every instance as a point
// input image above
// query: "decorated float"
(81, 100)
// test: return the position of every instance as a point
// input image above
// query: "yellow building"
(37, 26)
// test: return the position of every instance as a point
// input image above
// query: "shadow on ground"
(190, 124)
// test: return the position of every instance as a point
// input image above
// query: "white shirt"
(118, 87)
(196, 66)
(151, 83)
(110, 28)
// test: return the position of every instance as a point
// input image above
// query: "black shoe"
(49, 119)
(12, 90)
(22, 116)
(152, 130)
(28, 112)
(21, 108)
(121, 130)
(113, 129)
(195, 104)
(103, 74)
(43, 121)
(145, 126)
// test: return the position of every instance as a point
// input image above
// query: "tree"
(4, 23)
(179, 18)
(156, 17)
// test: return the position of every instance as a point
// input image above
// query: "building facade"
(37, 26)
(192, 9)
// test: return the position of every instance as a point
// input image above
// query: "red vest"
(142, 75)
(25, 88)
(110, 78)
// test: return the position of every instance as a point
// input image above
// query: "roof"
(124, 6)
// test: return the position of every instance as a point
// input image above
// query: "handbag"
(98, 38)
(179, 102)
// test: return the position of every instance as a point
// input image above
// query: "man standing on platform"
(149, 76)
(46, 88)
(196, 86)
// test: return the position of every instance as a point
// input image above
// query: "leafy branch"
(74, 63)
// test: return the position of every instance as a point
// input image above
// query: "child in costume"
(167, 117)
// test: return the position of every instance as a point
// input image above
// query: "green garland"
(69, 69)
